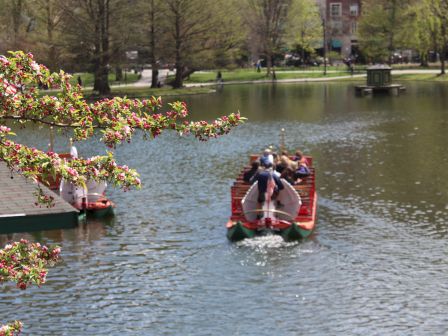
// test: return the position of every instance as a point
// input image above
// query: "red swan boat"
(295, 219)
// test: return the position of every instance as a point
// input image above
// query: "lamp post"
(323, 16)
(325, 46)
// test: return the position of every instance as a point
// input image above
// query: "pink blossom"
(35, 66)
(10, 90)
(4, 129)
(72, 172)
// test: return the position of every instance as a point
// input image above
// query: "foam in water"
(266, 242)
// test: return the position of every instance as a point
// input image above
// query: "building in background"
(341, 18)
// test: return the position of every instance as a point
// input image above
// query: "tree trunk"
(16, 22)
(268, 64)
(104, 88)
(442, 61)
(391, 44)
(96, 60)
(179, 78)
(303, 48)
(443, 51)
(96, 66)
(179, 66)
(152, 45)
(155, 76)
(424, 59)
(52, 58)
(118, 74)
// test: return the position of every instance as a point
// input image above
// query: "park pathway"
(146, 78)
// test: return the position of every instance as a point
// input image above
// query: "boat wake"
(270, 241)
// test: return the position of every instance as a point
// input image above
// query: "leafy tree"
(15, 25)
(266, 20)
(420, 29)
(426, 29)
(230, 35)
(47, 15)
(382, 28)
(117, 119)
(94, 30)
(304, 28)
(439, 9)
(154, 38)
(25, 263)
(194, 30)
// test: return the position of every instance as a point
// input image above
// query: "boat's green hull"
(294, 232)
(100, 213)
(238, 232)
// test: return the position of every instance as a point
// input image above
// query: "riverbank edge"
(197, 88)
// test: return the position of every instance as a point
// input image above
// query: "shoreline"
(137, 90)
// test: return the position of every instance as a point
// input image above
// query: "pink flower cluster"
(11, 329)
(24, 262)
(4, 130)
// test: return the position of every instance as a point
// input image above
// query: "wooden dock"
(18, 212)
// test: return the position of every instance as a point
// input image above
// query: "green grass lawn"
(421, 77)
(313, 74)
(253, 75)
(87, 78)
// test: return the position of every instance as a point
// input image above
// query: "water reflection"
(376, 265)
(87, 233)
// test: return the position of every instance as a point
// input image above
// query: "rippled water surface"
(377, 264)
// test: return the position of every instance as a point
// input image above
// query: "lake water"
(376, 265)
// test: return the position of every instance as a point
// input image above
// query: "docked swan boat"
(292, 214)
(90, 199)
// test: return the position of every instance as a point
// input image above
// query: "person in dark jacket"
(250, 175)
(263, 179)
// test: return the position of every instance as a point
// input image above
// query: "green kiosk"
(379, 80)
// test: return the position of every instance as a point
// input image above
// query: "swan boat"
(90, 199)
(292, 214)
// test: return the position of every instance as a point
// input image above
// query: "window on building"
(335, 9)
(354, 10)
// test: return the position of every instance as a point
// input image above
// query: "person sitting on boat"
(267, 158)
(250, 175)
(299, 157)
(289, 175)
(284, 162)
(264, 178)
(302, 171)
